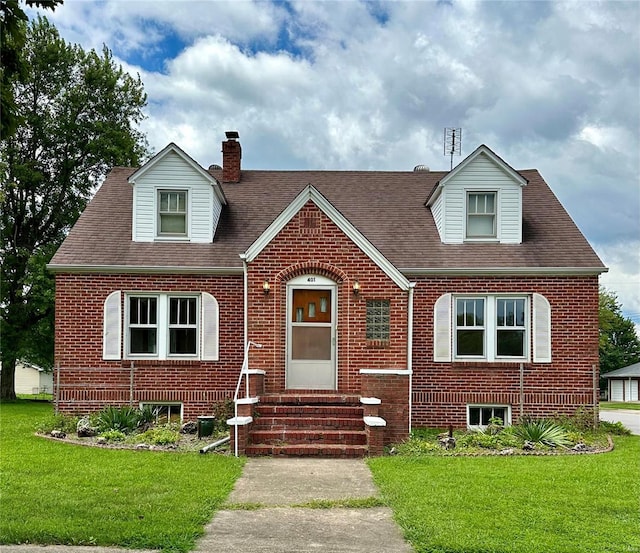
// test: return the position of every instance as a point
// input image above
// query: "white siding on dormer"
(173, 173)
(436, 211)
(482, 174)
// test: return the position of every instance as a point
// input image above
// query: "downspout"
(246, 298)
(410, 349)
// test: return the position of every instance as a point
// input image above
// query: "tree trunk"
(8, 379)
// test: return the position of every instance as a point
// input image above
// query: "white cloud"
(360, 85)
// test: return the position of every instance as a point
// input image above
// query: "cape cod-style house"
(338, 308)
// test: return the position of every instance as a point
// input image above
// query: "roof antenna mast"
(452, 142)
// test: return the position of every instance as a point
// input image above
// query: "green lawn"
(587, 503)
(52, 492)
(620, 405)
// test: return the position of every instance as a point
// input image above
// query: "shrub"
(160, 435)
(125, 419)
(222, 411)
(113, 435)
(615, 428)
(542, 431)
(66, 423)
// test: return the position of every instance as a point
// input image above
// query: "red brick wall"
(441, 391)
(87, 382)
(312, 244)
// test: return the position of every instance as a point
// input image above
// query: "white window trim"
(491, 328)
(496, 221)
(470, 406)
(156, 209)
(162, 325)
(144, 404)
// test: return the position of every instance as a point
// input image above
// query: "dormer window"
(481, 215)
(172, 213)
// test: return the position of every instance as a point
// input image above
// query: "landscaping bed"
(130, 428)
(566, 436)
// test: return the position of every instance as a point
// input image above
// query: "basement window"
(164, 413)
(480, 416)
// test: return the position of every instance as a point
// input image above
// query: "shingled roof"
(388, 208)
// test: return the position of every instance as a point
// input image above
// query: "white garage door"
(631, 390)
(617, 393)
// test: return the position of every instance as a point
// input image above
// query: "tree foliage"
(619, 345)
(78, 113)
(13, 26)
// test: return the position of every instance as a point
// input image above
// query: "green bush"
(125, 418)
(160, 435)
(66, 423)
(223, 411)
(113, 435)
(615, 428)
(542, 431)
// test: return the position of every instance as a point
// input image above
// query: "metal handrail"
(243, 372)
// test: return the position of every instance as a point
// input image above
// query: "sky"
(349, 84)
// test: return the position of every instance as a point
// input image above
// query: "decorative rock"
(528, 446)
(101, 440)
(84, 428)
(58, 434)
(143, 446)
(448, 443)
(189, 427)
(580, 447)
(508, 451)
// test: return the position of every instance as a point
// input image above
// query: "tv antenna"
(452, 142)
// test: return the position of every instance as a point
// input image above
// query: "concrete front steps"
(302, 425)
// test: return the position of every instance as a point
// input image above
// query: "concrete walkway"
(268, 512)
(282, 523)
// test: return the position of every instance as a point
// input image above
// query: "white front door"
(311, 336)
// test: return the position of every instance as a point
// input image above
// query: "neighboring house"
(31, 379)
(624, 383)
(439, 298)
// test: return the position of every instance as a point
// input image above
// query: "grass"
(560, 504)
(57, 493)
(620, 405)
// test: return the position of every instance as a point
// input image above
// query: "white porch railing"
(243, 372)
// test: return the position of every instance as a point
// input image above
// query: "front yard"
(55, 492)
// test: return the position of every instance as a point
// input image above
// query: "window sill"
(172, 239)
(161, 362)
(378, 344)
(459, 363)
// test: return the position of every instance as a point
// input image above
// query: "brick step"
(338, 411)
(310, 399)
(329, 422)
(307, 450)
(321, 436)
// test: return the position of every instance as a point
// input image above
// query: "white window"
(491, 327)
(481, 215)
(161, 326)
(496, 327)
(172, 212)
(480, 416)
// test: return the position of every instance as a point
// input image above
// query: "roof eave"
(58, 268)
(504, 271)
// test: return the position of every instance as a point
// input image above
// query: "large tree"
(12, 38)
(619, 344)
(77, 114)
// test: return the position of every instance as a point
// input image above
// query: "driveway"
(628, 417)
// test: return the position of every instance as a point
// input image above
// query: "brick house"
(345, 306)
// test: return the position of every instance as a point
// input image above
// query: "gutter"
(505, 271)
(128, 269)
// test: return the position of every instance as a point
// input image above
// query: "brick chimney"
(231, 156)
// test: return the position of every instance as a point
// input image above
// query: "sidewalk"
(266, 513)
(280, 525)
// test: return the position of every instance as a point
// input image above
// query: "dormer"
(175, 199)
(480, 200)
